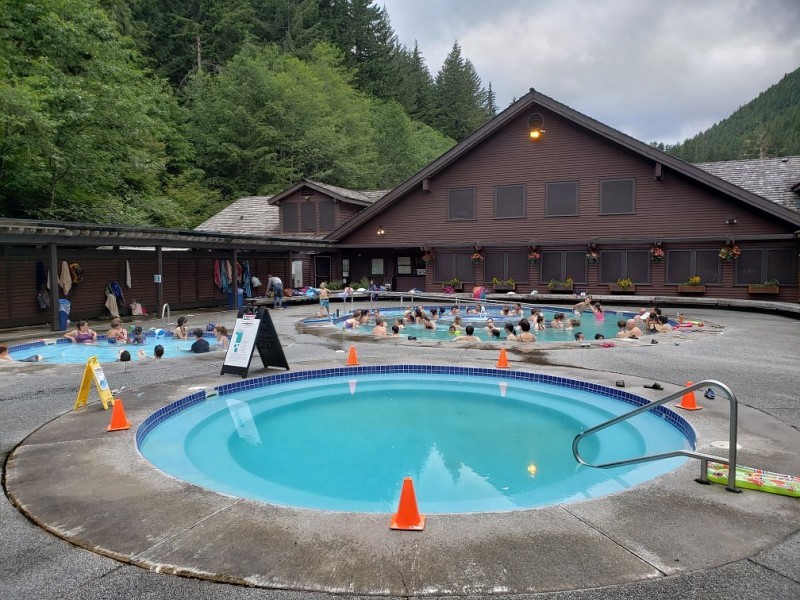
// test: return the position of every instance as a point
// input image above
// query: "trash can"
(63, 313)
(240, 294)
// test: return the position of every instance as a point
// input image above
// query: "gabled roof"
(776, 179)
(361, 198)
(524, 104)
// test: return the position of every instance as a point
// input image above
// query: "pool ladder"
(704, 458)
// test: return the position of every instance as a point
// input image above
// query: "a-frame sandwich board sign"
(94, 373)
(253, 330)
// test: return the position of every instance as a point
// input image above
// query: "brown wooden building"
(540, 194)
(543, 193)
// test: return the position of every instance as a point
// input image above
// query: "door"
(297, 273)
(322, 269)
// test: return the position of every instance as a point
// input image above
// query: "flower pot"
(557, 289)
(504, 287)
(615, 289)
(455, 287)
(691, 289)
(764, 289)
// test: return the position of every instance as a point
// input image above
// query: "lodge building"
(540, 198)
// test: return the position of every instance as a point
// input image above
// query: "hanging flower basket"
(534, 257)
(657, 254)
(477, 258)
(729, 252)
(427, 257)
(592, 257)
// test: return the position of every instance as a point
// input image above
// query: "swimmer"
(468, 336)
(5, 356)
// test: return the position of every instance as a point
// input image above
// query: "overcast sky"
(659, 70)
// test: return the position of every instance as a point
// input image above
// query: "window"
(461, 204)
(559, 265)
(562, 199)
(509, 201)
(758, 266)
(289, 212)
(377, 266)
(621, 264)
(327, 216)
(404, 265)
(345, 268)
(308, 216)
(512, 264)
(616, 197)
(682, 264)
(453, 264)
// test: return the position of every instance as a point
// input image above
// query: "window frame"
(507, 260)
(624, 269)
(286, 207)
(450, 191)
(600, 209)
(693, 269)
(308, 208)
(577, 187)
(548, 254)
(455, 257)
(764, 267)
(523, 202)
(324, 203)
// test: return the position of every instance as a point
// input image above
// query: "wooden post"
(54, 305)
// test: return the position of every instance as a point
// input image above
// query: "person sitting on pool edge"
(468, 336)
(200, 345)
(82, 335)
(5, 356)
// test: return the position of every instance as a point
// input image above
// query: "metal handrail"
(704, 458)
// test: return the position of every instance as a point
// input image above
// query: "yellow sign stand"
(94, 372)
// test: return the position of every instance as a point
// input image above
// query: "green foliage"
(766, 127)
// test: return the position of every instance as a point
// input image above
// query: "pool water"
(64, 351)
(471, 443)
(589, 325)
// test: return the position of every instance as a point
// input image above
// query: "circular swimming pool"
(472, 439)
(60, 350)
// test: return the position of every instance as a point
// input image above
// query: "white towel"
(111, 305)
(128, 274)
(65, 279)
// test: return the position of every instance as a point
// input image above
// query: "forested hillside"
(160, 112)
(766, 127)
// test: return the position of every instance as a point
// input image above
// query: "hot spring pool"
(60, 350)
(472, 439)
(589, 325)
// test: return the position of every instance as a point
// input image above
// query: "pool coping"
(87, 486)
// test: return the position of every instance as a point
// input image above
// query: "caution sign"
(94, 373)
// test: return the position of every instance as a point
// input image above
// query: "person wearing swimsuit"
(82, 335)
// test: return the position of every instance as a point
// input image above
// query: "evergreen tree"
(491, 104)
(460, 100)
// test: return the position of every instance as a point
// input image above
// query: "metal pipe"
(704, 458)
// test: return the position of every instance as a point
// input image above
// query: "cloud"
(655, 70)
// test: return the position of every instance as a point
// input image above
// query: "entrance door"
(322, 269)
(297, 273)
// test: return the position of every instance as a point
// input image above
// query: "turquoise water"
(469, 443)
(589, 325)
(68, 352)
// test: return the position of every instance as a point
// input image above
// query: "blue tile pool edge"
(168, 411)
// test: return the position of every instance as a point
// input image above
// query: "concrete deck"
(668, 538)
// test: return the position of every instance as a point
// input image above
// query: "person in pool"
(138, 336)
(82, 335)
(181, 331)
(469, 335)
(6, 357)
(200, 344)
(117, 333)
(222, 336)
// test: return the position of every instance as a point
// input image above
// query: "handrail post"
(704, 458)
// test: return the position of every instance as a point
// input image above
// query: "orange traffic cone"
(352, 358)
(118, 419)
(688, 401)
(502, 361)
(407, 516)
